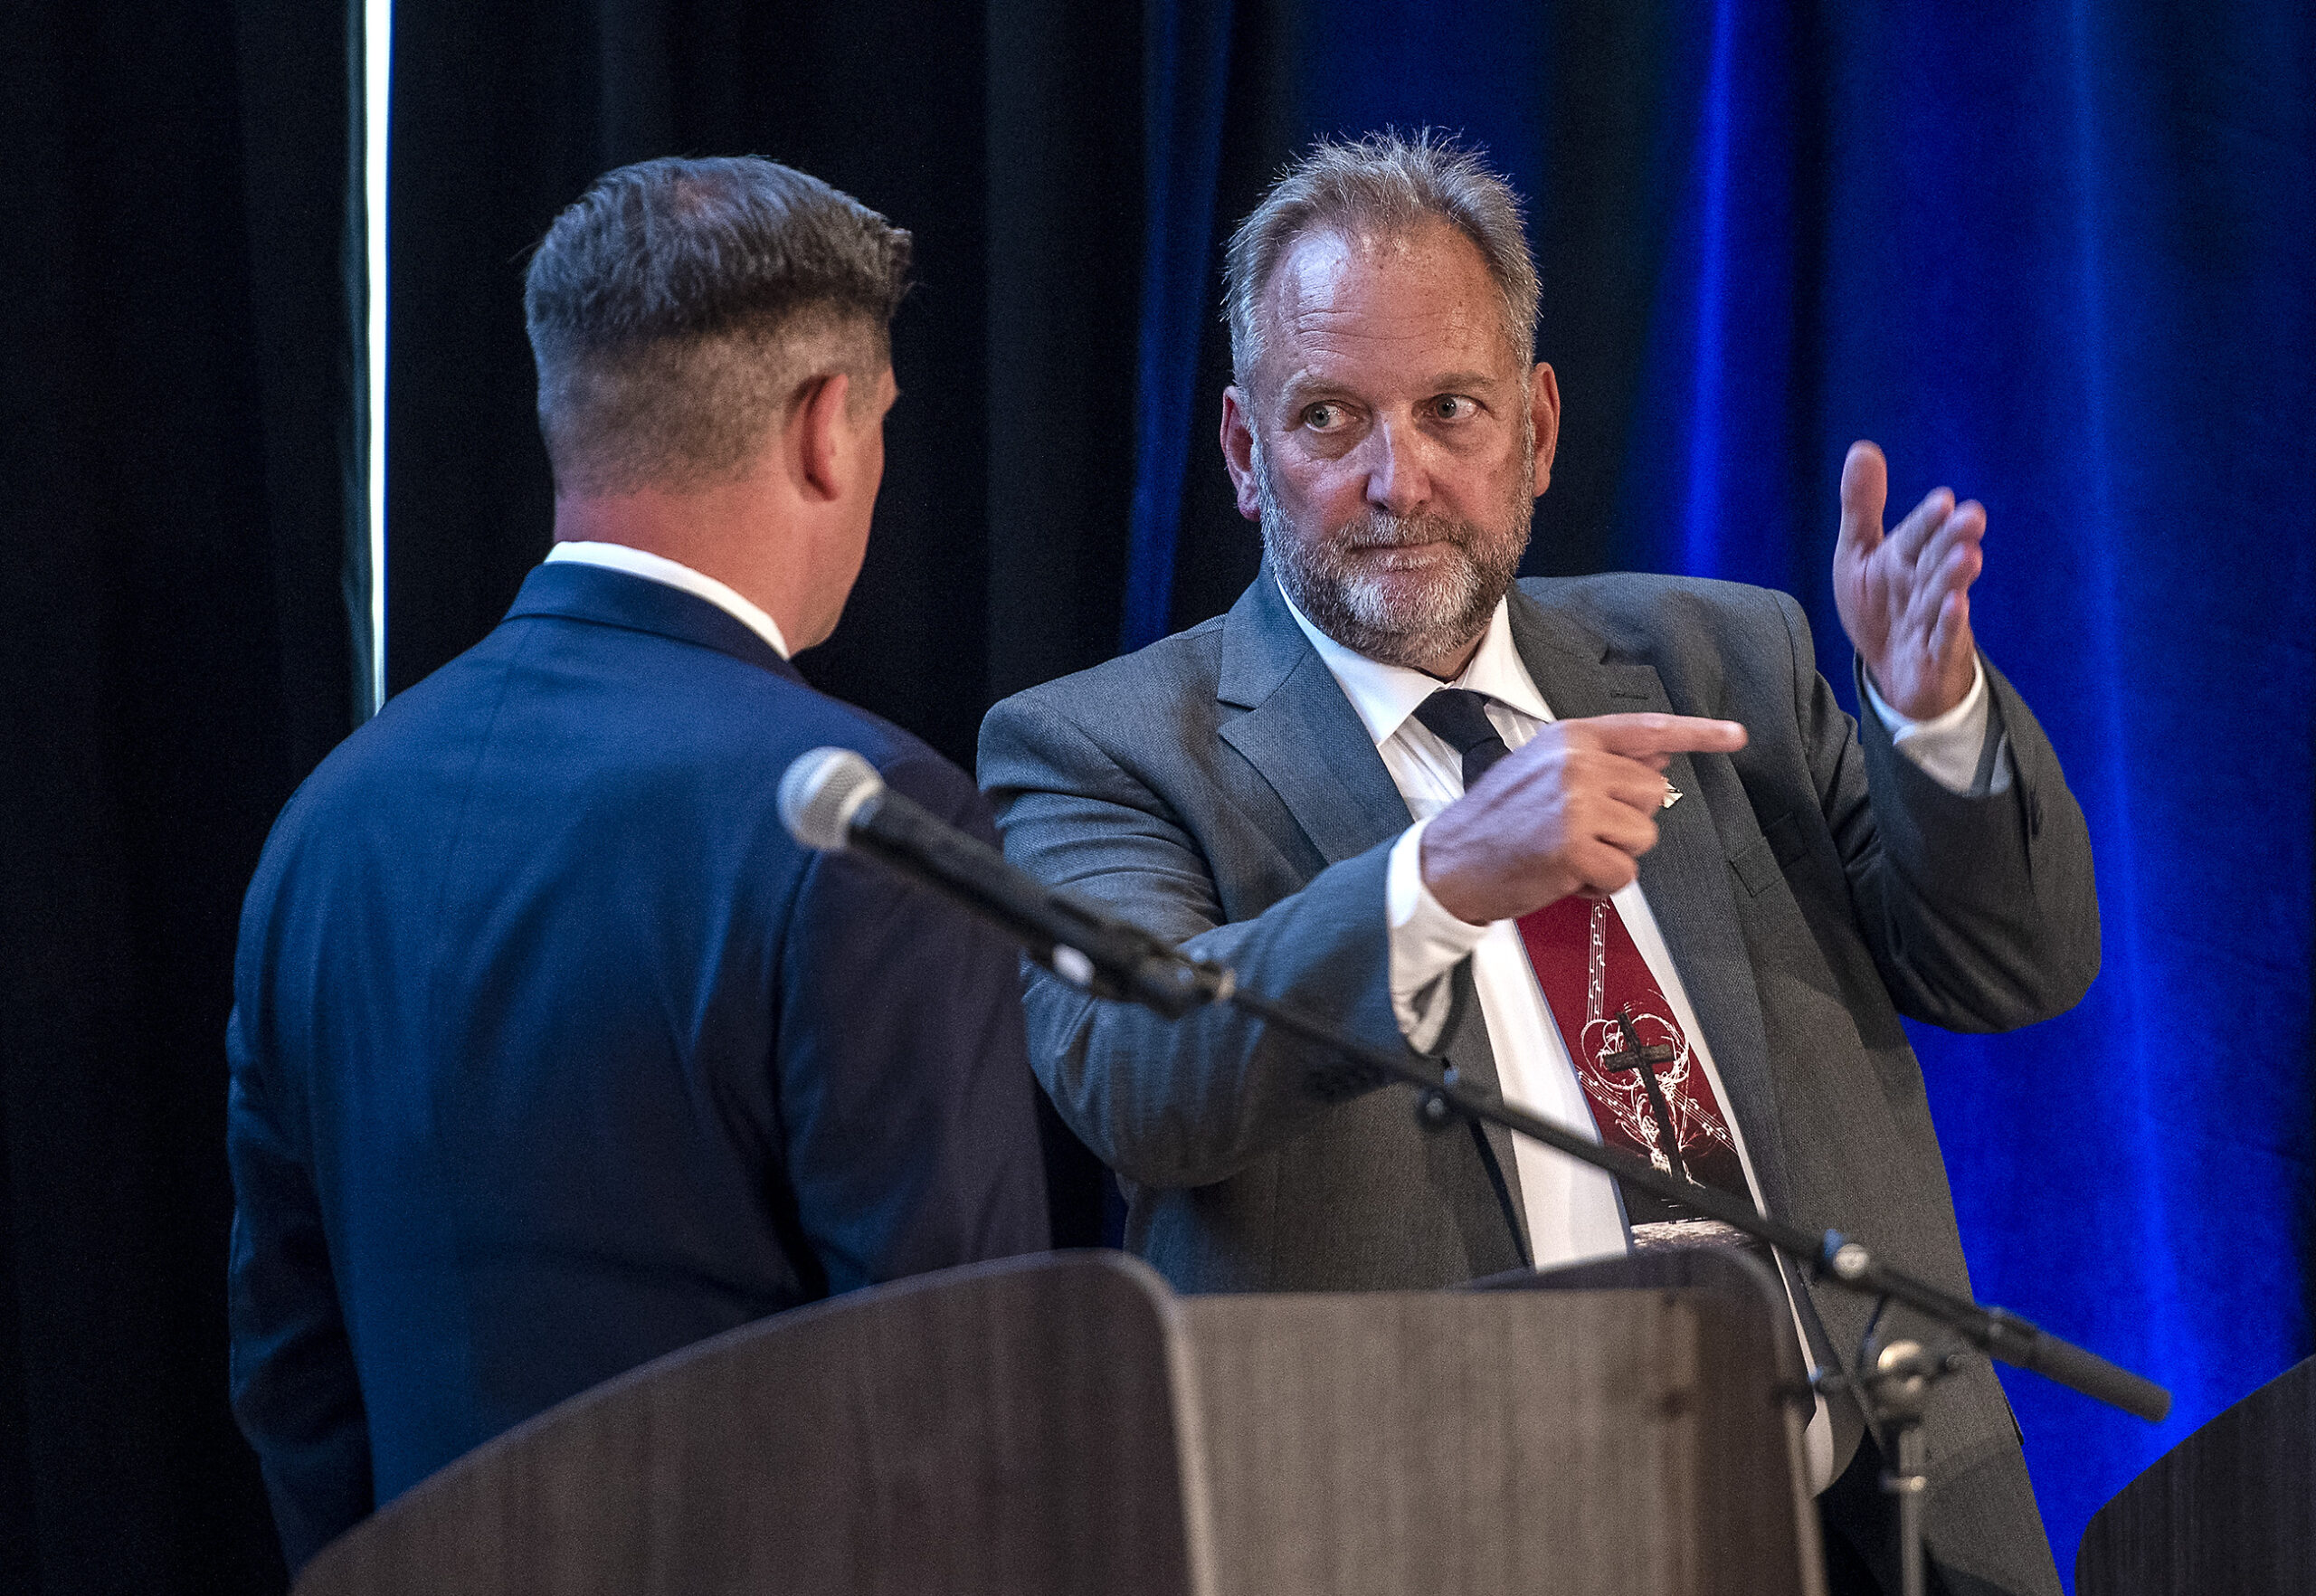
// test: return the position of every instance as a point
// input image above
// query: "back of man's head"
(680, 306)
(1386, 185)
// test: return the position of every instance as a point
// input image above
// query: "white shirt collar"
(637, 562)
(1385, 695)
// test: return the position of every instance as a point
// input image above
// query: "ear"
(1238, 451)
(1543, 410)
(819, 438)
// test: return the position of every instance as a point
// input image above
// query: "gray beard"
(1351, 605)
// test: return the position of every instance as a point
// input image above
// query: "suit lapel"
(1300, 733)
(1685, 877)
(1302, 736)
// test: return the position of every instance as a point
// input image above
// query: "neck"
(1453, 662)
(721, 531)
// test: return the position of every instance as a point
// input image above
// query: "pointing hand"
(1571, 809)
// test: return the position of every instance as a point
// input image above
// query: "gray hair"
(1387, 185)
(679, 307)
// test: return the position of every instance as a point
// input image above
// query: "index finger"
(1642, 735)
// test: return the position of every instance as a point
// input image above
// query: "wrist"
(1920, 701)
(1447, 885)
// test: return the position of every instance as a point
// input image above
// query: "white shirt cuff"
(1427, 943)
(1947, 747)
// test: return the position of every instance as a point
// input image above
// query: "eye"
(1454, 407)
(1323, 416)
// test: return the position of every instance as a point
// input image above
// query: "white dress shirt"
(1572, 1210)
(636, 562)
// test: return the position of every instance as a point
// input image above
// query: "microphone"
(832, 800)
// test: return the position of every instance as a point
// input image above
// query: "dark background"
(2063, 257)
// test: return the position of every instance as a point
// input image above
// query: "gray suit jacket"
(1219, 788)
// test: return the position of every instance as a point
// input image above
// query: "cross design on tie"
(1643, 1061)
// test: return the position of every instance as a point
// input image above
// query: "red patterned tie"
(1647, 1091)
(1647, 1088)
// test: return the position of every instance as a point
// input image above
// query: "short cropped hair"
(1387, 185)
(680, 306)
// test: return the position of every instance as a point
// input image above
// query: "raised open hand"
(1904, 597)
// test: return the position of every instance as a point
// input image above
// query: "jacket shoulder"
(1162, 696)
(1187, 662)
(544, 707)
(1643, 614)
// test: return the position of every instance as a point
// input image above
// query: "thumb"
(1866, 489)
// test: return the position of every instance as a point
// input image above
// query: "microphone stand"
(1894, 1380)
(1092, 949)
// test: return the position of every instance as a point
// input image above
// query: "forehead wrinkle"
(1432, 322)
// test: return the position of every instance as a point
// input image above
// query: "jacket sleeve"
(907, 1110)
(291, 1367)
(1981, 911)
(1191, 1101)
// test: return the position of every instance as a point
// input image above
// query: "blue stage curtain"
(1186, 59)
(2057, 256)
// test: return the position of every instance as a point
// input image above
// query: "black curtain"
(176, 365)
(504, 111)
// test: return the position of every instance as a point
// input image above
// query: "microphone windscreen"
(821, 791)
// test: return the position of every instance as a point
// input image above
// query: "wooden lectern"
(2230, 1509)
(1067, 1424)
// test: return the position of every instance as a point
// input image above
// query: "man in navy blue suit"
(551, 1051)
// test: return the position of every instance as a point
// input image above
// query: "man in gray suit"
(1372, 786)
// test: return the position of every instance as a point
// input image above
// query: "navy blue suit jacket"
(553, 1052)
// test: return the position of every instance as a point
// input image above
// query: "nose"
(1397, 479)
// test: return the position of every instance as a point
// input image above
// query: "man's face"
(1389, 442)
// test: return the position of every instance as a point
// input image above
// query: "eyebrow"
(1304, 385)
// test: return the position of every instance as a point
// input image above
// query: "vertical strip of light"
(377, 57)
(2169, 1342)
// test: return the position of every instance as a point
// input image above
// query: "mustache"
(1378, 531)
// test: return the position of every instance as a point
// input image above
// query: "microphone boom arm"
(833, 799)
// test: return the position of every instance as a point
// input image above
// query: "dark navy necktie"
(1460, 719)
